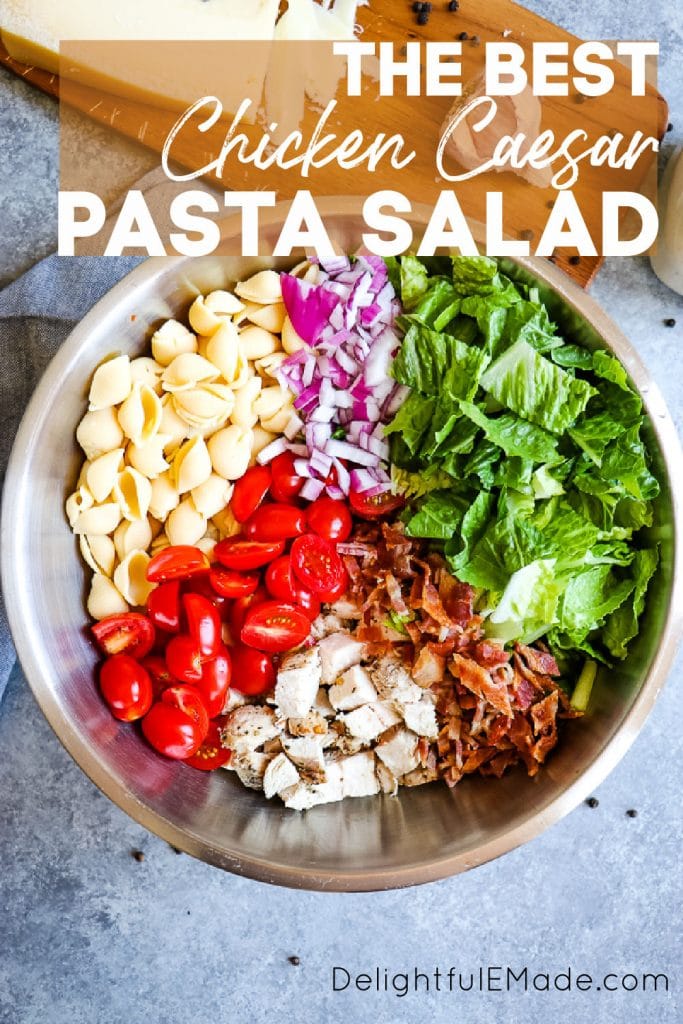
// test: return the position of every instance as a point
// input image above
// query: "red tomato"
(316, 563)
(275, 522)
(373, 508)
(128, 633)
(178, 724)
(184, 659)
(329, 519)
(201, 585)
(231, 584)
(275, 626)
(163, 606)
(212, 754)
(176, 563)
(215, 682)
(203, 623)
(286, 481)
(157, 668)
(242, 554)
(282, 584)
(126, 687)
(249, 492)
(252, 671)
(240, 608)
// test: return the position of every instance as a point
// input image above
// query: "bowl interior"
(422, 834)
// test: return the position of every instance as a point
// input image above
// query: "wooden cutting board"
(525, 209)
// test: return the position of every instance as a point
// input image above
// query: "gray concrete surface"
(88, 934)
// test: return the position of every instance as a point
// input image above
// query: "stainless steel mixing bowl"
(373, 843)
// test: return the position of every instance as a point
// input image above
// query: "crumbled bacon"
(495, 708)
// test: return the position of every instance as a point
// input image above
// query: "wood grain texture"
(526, 208)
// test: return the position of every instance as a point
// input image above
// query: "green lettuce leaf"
(527, 608)
(414, 281)
(533, 387)
(589, 598)
(622, 625)
(514, 435)
(439, 515)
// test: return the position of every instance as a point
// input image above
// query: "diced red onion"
(275, 448)
(312, 489)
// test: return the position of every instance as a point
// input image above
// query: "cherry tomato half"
(373, 508)
(212, 754)
(275, 626)
(128, 633)
(275, 522)
(157, 668)
(202, 585)
(330, 519)
(126, 687)
(282, 584)
(203, 623)
(178, 724)
(163, 606)
(318, 566)
(286, 481)
(240, 608)
(176, 563)
(215, 682)
(252, 671)
(242, 554)
(231, 584)
(184, 659)
(249, 492)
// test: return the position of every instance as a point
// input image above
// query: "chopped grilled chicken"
(307, 754)
(353, 689)
(249, 727)
(394, 682)
(297, 683)
(358, 774)
(368, 722)
(311, 724)
(421, 718)
(280, 774)
(302, 796)
(419, 777)
(337, 653)
(398, 751)
(250, 767)
(388, 783)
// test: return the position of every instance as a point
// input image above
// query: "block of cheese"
(31, 31)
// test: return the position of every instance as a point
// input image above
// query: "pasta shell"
(111, 383)
(269, 365)
(172, 426)
(212, 496)
(140, 415)
(263, 287)
(223, 350)
(185, 525)
(133, 491)
(279, 420)
(230, 451)
(187, 370)
(208, 312)
(171, 340)
(225, 523)
(262, 438)
(99, 552)
(78, 502)
(130, 578)
(104, 599)
(291, 342)
(207, 544)
(208, 404)
(164, 497)
(103, 472)
(270, 317)
(99, 432)
(148, 458)
(99, 519)
(256, 343)
(243, 413)
(132, 536)
(160, 542)
(144, 370)
(270, 401)
(191, 465)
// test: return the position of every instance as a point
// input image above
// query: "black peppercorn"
(423, 17)
(632, 813)
(463, 36)
(137, 855)
(670, 322)
(453, 5)
(592, 801)
(574, 261)
(294, 960)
